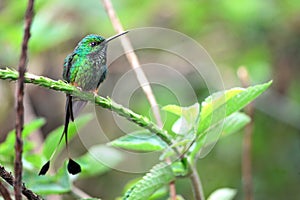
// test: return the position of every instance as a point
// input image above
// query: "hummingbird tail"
(73, 167)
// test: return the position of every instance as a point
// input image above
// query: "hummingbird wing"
(73, 106)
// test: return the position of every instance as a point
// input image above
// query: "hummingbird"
(85, 68)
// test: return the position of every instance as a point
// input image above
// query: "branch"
(5, 175)
(140, 75)
(88, 96)
(133, 60)
(4, 192)
(20, 106)
(247, 140)
(196, 183)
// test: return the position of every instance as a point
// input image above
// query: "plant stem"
(140, 75)
(88, 96)
(20, 107)
(247, 140)
(5, 175)
(4, 192)
(196, 183)
(133, 60)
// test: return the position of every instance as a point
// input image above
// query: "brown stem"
(133, 60)
(247, 141)
(20, 106)
(5, 175)
(196, 183)
(141, 77)
(4, 192)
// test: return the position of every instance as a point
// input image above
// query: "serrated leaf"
(222, 104)
(223, 194)
(160, 175)
(94, 161)
(140, 141)
(52, 139)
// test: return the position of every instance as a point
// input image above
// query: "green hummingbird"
(86, 69)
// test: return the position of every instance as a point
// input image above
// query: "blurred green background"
(264, 36)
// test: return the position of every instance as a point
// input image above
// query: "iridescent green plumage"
(85, 68)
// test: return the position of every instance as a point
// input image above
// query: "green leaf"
(215, 109)
(160, 175)
(230, 125)
(140, 141)
(180, 168)
(44, 185)
(6, 152)
(160, 193)
(223, 194)
(98, 160)
(189, 118)
(175, 109)
(53, 138)
(222, 104)
(234, 123)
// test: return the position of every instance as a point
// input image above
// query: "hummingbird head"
(92, 44)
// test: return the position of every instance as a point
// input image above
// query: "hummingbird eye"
(92, 44)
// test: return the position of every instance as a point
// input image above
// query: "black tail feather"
(72, 168)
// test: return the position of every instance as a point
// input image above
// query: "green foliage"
(52, 140)
(58, 184)
(160, 175)
(222, 104)
(140, 141)
(196, 128)
(234, 122)
(217, 107)
(218, 114)
(92, 162)
(6, 153)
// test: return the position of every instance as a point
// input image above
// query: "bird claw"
(95, 92)
(79, 88)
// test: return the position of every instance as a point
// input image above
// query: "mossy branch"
(8, 74)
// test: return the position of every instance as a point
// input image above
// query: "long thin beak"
(115, 36)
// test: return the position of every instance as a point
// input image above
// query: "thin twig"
(133, 60)
(20, 106)
(196, 182)
(140, 75)
(4, 192)
(7, 176)
(247, 141)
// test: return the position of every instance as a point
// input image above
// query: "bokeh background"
(263, 36)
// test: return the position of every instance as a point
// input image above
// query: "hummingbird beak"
(115, 36)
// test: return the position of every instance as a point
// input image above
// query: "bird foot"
(79, 88)
(95, 92)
